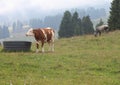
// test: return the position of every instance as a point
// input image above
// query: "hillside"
(84, 60)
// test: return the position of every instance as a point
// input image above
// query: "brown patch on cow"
(38, 34)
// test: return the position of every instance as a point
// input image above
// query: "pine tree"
(65, 26)
(76, 24)
(79, 27)
(87, 25)
(114, 19)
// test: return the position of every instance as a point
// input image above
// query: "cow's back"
(102, 27)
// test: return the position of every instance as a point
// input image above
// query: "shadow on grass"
(10, 51)
(24, 51)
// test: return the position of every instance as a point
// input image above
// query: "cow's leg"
(52, 46)
(49, 46)
(52, 41)
(37, 46)
(95, 33)
(42, 46)
(100, 33)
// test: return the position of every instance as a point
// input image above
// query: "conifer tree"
(87, 25)
(114, 19)
(65, 27)
(75, 24)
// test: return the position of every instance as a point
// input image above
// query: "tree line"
(4, 32)
(73, 25)
(94, 13)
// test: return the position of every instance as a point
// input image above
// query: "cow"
(43, 35)
(100, 29)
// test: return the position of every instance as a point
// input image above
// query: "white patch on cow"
(44, 34)
(53, 36)
(43, 49)
(48, 28)
(49, 31)
(106, 25)
(30, 32)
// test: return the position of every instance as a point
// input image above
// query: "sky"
(9, 6)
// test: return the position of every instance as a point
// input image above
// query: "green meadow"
(80, 60)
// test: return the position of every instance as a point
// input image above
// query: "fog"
(24, 8)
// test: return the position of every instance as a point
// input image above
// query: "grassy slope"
(82, 60)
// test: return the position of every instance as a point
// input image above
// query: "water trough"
(16, 45)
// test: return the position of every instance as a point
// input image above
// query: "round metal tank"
(16, 45)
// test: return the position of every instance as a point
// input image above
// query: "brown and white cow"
(43, 35)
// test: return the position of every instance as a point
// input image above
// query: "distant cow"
(99, 29)
(43, 35)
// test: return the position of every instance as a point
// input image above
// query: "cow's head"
(30, 32)
(107, 29)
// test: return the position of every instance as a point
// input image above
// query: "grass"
(81, 60)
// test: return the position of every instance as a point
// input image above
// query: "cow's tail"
(53, 34)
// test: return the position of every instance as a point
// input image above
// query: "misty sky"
(7, 6)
